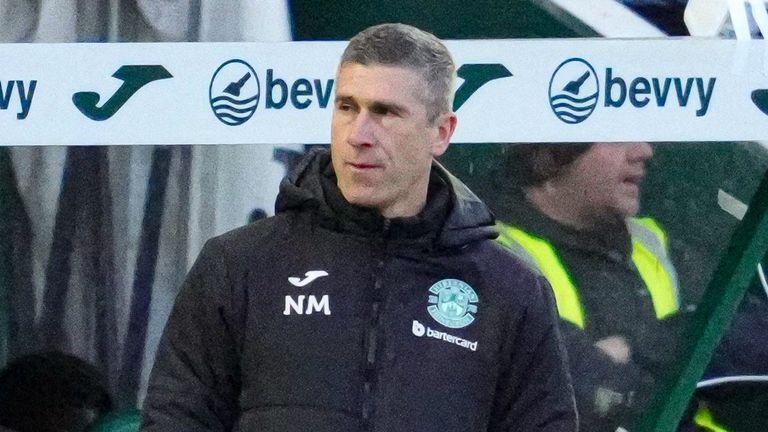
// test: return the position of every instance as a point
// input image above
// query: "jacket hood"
(311, 186)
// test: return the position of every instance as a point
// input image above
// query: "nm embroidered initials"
(312, 305)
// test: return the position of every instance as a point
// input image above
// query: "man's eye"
(345, 107)
(380, 110)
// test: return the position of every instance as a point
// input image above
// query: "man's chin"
(628, 210)
(359, 196)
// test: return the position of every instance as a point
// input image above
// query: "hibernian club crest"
(453, 303)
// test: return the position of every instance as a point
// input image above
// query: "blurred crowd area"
(143, 21)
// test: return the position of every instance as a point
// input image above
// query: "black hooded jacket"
(321, 319)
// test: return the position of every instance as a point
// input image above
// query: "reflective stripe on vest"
(541, 256)
(649, 246)
(649, 253)
(704, 420)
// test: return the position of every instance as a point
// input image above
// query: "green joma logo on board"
(760, 99)
(134, 77)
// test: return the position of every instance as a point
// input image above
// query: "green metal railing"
(748, 245)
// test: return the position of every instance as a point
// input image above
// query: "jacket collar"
(453, 216)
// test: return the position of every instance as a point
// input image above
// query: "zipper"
(372, 332)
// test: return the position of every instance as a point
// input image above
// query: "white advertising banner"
(575, 90)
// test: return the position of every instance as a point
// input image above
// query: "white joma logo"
(312, 305)
(310, 276)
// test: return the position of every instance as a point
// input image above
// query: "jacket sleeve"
(608, 393)
(535, 392)
(195, 380)
(611, 394)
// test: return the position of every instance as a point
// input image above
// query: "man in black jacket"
(374, 299)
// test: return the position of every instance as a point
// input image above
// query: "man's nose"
(361, 130)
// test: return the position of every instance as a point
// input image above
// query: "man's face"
(607, 178)
(382, 143)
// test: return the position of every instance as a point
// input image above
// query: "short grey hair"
(406, 46)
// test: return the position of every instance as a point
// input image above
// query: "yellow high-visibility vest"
(649, 254)
(705, 420)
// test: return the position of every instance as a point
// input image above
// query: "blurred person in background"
(571, 214)
(51, 392)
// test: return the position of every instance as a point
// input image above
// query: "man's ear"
(445, 126)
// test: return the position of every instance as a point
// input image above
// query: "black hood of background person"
(454, 216)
